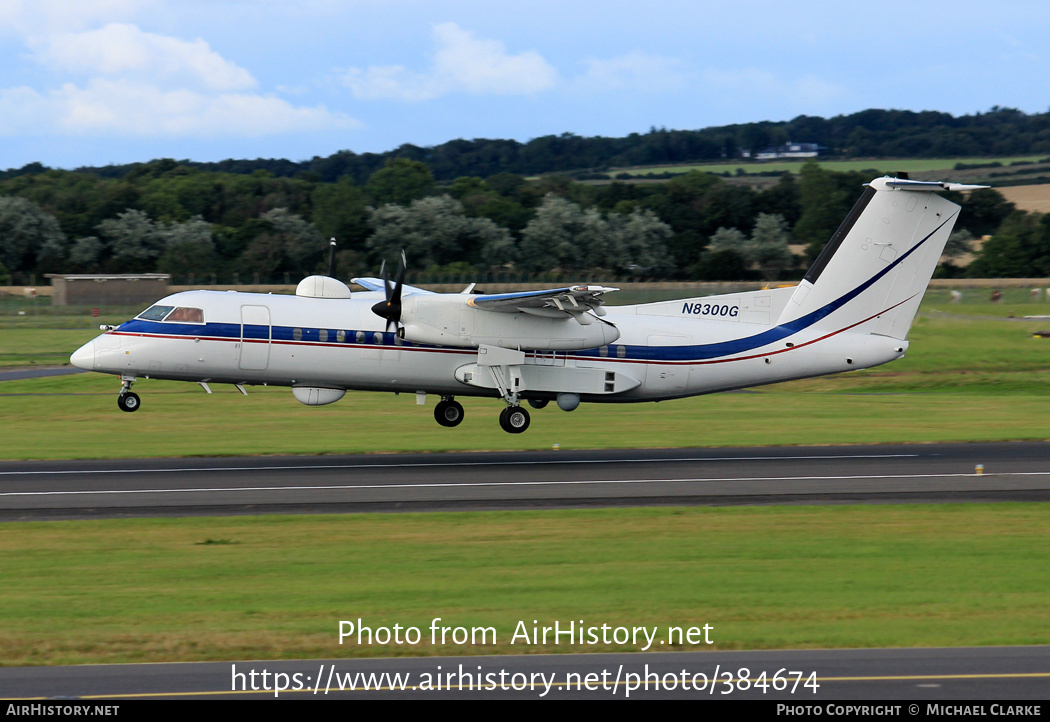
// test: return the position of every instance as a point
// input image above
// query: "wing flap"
(554, 302)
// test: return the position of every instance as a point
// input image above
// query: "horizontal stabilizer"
(903, 184)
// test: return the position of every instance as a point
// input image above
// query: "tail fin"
(878, 263)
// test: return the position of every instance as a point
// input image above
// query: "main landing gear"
(448, 412)
(514, 419)
(128, 400)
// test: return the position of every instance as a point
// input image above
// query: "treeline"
(171, 217)
(869, 133)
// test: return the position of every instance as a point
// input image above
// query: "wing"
(376, 284)
(572, 301)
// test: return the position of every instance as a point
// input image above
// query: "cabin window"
(297, 334)
(603, 351)
(156, 313)
(360, 336)
(340, 335)
(186, 315)
(377, 337)
(621, 351)
(323, 334)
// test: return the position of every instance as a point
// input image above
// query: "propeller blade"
(390, 308)
(386, 283)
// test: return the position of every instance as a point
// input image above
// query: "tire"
(448, 413)
(514, 419)
(129, 402)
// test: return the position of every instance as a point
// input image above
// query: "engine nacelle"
(451, 321)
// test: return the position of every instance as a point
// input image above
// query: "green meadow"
(909, 165)
(276, 587)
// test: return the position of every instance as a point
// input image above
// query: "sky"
(98, 82)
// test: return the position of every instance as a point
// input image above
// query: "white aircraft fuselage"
(852, 311)
(341, 344)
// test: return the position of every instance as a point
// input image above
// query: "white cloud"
(121, 107)
(461, 63)
(43, 17)
(123, 50)
(141, 84)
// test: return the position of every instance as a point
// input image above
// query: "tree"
(191, 248)
(727, 239)
(766, 249)
(723, 259)
(959, 243)
(562, 235)
(27, 234)
(134, 240)
(401, 182)
(341, 212)
(640, 242)
(768, 246)
(86, 254)
(984, 210)
(285, 242)
(1019, 248)
(823, 207)
(552, 238)
(436, 232)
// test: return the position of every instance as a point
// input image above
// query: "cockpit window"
(186, 315)
(156, 313)
(182, 314)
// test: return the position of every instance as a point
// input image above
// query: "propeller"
(390, 309)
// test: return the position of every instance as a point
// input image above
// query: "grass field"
(276, 587)
(880, 165)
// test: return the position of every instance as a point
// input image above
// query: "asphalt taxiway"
(803, 677)
(547, 479)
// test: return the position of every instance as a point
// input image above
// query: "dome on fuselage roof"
(322, 287)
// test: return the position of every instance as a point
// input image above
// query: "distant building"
(84, 289)
(790, 150)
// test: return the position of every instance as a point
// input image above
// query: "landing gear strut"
(448, 412)
(514, 419)
(127, 400)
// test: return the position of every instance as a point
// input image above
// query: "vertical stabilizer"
(876, 266)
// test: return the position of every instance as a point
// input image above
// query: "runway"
(549, 479)
(797, 676)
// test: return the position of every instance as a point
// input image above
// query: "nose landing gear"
(128, 400)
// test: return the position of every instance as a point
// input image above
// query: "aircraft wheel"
(129, 402)
(538, 403)
(514, 419)
(448, 413)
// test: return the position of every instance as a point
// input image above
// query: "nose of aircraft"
(84, 357)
